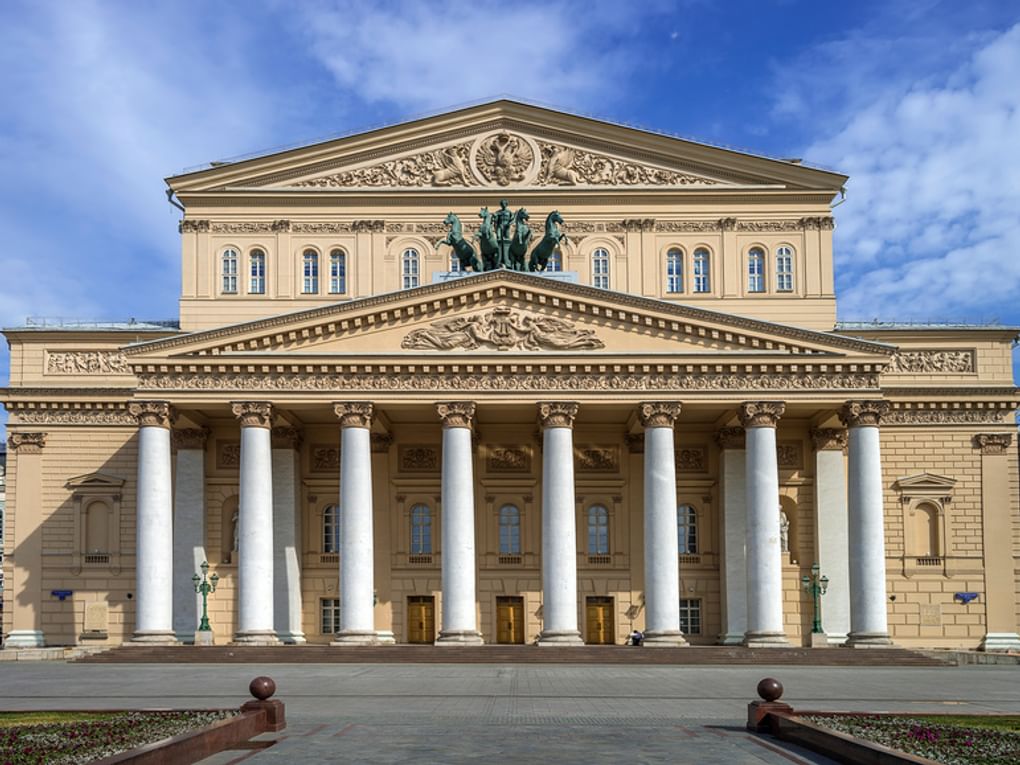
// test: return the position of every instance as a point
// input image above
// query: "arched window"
(600, 268)
(421, 530)
(598, 530)
(674, 271)
(410, 268)
(257, 271)
(555, 261)
(509, 530)
(784, 269)
(310, 285)
(332, 530)
(756, 270)
(702, 266)
(337, 272)
(687, 529)
(228, 269)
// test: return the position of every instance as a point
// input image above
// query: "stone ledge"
(56, 653)
(841, 747)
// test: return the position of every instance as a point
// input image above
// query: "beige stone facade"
(313, 277)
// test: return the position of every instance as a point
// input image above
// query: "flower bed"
(953, 740)
(69, 738)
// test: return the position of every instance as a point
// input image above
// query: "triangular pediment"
(509, 145)
(95, 481)
(506, 313)
(925, 483)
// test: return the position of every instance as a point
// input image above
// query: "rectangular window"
(330, 612)
(690, 616)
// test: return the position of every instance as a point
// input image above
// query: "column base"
(663, 640)
(1000, 641)
(25, 639)
(731, 638)
(868, 640)
(386, 637)
(559, 638)
(255, 637)
(355, 637)
(292, 638)
(765, 640)
(204, 637)
(819, 640)
(459, 637)
(153, 637)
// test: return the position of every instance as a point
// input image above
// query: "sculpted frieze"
(597, 459)
(942, 416)
(565, 166)
(87, 363)
(491, 383)
(931, 362)
(508, 459)
(69, 415)
(504, 329)
(243, 227)
(448, 166)
(686, 226)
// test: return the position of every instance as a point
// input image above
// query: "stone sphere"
(264, 687)
(769, 689)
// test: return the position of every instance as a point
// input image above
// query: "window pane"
(509, 530)
(257, 285)
(421, 530)
(690, 616)
(330, 615)
(337, 272)
(701, 271)
(756, 270)
(674, 271)
(687, 529)
(332, 529)
(410, 269)
(784, 269)
(555, 261)
(229, 271)
(600, 268)
(311, 273)
(598, 530)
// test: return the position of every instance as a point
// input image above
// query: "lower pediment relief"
(502, 329)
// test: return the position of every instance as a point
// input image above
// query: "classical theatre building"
(508, 375)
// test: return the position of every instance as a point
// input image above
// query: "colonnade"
(267, 567)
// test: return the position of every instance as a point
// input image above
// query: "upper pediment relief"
(502, 159)
(507, 312)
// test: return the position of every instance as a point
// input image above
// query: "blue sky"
(917, 101)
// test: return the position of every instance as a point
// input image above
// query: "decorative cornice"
(557, 414)
(760, 414)
(456, 414)
(381, 442)
(413, 379)
(993, 443)
(863, 414)
(285, 437)
(829, 439)
(26, 443)
(152, 414)
(78, 413)
(731, 438)
(189, 438)
(658, 414)
(253, 414)
(354, 414)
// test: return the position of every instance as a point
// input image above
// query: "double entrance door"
(421, 619)
(510, 620)
(601, 629)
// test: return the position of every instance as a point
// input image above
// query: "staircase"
(515, 654)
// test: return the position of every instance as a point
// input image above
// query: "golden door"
(421, 619)
(600, 621)
(509, 620)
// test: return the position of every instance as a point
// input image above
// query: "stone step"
(502, 654)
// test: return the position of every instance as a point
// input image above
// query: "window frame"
(332, 529)
(256, 254)
(601, 278)
(675, 257)
(784, 254)
(688, 546)
(555, 263)
(756, 255)
(690, 614)
(309, 281)
(338, 276)
(410, 268)
(701, 279)
(509, 542)
(420, 542)
(597, 523)
(229, 275)
(332, 607)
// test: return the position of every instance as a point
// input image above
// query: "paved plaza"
(456, 713)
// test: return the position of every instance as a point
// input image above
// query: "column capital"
(658, 414)
(189, 438)
(456, 414)
(285, 437)
(27, 443)
(154, 414)
(993, 443)
(253, 414)
(862, 414)
(557, 414)
(829, 439)
(731, 438)
(354, 414)
(761, 414)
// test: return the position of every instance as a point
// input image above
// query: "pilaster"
(26, 466)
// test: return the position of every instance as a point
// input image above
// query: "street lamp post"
(204, 585)
(817, 586)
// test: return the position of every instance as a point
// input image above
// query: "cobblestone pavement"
(457, 713)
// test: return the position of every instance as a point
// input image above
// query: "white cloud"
(931, 225)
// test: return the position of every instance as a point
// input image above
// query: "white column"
(189, 528)
(459, 619)
(255, 526)
(764, 556)
(868, 620)
(286, 533)
(733, 469)
(154, 526)
(662, 556)
(832, 532)
(357, 561)
(559, 526)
